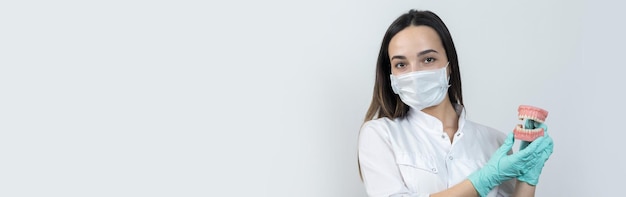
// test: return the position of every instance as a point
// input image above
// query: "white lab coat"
(412, 156)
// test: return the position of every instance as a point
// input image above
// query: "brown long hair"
(385, 103)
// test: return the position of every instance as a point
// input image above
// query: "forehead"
(414, 39)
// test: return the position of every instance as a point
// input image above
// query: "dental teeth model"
(528, 131)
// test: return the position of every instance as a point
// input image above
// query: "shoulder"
(377, 130)
(376, 126)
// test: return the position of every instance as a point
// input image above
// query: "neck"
(446, 113)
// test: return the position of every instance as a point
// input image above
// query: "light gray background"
(265, 98)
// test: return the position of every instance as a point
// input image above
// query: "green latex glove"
(502, 167)
(532, 176)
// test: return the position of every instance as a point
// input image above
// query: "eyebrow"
(418, 54)
(426, 52)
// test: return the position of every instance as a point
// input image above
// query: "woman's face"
(416, 48)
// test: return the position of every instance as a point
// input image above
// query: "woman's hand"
(532, 176)
(502, 167)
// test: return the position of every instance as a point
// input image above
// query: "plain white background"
(265, 98)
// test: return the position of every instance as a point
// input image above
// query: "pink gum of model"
(533, 113)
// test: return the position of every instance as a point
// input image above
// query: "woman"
(416, 140)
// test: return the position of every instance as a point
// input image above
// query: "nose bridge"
(415, 65)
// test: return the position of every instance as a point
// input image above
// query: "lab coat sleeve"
(379, 171)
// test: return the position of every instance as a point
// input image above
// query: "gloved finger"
(531, 151)
(537, 153)
(550, 148)
(510, 138)
(523, 144)
(545, 155)
(541, 125)
(540, 144)
(529, 124)
(524, 160)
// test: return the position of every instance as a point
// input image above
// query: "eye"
(429, 60)
(399, 65)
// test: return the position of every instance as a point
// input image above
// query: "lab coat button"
(443, 136)
(450, 158)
